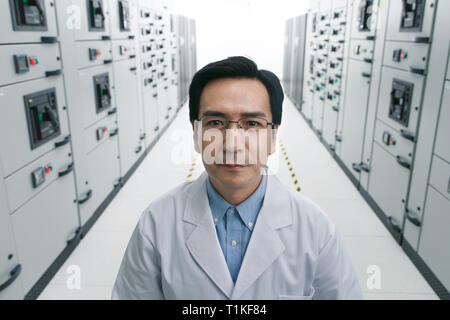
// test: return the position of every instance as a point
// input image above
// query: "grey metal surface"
(433, 247)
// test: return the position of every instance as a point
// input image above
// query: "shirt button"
(250, 224)
(215, 219)
(233, 243)
(232, 210)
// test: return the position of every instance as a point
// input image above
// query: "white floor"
(371, 247)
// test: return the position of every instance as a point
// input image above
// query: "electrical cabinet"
(355, 114)
(28, 21)
(33, 123)
(127, 113)
(24, 62)
(86, 87)
(41, 235)
(442, 147)
(411, 20)
(10, 266)
(433, 247)
(376, 91)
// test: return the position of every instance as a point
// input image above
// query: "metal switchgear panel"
(102, 92)
(124, 15)
(28, 15)
(96, 16)
(401, 96)
(42, 116)
(412, 15)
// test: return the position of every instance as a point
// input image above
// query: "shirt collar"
(248, 209)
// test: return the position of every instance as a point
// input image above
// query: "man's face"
(235, 157)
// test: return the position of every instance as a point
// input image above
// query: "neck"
(235, 196)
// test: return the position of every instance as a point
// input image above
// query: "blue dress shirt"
(234, 224)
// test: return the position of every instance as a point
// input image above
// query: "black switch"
(102, 92)
(96, 15)
(412, 15)
(28, 15)
(124, 15)
(38, 177)
(92, 54)
(21, 63)
(42, 116)
(401, 98)
(365, 12)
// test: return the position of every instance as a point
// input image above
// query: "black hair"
(235, 67)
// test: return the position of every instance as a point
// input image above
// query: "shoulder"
(166, 205)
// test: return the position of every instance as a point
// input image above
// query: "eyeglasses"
(221, 123)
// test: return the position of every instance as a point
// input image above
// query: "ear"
(197, 148)
(273, 139)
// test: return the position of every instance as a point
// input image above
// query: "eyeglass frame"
(238, 121)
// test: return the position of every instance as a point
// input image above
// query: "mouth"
(232, 166)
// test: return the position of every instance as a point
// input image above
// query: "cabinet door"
(433, 247)
(355, 111)
(10, 267)
(127, 112)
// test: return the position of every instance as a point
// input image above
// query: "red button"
(104, 129)
(33, 61)
(97, 53)
(47, 170)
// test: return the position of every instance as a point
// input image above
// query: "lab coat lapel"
(265, 245)
(203, 243)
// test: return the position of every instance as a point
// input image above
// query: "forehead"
(233, 96)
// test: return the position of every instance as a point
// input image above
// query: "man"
(236, 232)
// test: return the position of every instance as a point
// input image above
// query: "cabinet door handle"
(142, 137)
(112, 134)
(413, 218)
(356, 167)
(87, 197)
(417, 71)
(422, 40)
(335, 108)
(49, 39)
(67, 171)
(107, 61)
(53, 73)
(62, 142)
(364, 167)
(368, 60)
(394, 224)
(112, 111)
(76, 236)
(366, 75)
(138, 149)
(13, 274)
(118, 182)
(133, 69)
(408, 135)
(403, 162)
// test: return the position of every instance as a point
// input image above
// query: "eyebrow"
(244, 114)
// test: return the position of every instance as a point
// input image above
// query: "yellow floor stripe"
(191, 170)
(289, 165)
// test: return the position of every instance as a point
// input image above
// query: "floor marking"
(289, 165)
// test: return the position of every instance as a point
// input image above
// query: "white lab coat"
(294, 251)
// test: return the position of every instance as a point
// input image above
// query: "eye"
(215, 123)
(253, 124)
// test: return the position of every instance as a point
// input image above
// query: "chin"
(233, 177)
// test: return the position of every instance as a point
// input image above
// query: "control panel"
(42, 116)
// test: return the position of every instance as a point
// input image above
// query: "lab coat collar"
(265, 245)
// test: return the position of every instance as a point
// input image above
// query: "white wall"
(252, 28)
